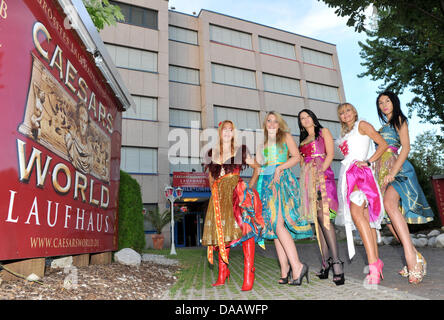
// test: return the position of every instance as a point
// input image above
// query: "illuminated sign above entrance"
(190, 180)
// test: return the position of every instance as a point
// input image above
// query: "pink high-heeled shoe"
(375, 272)
(381, 266)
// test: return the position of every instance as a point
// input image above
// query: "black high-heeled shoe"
(323, 273)
(285, 279)
(341, 279)
(304, 273)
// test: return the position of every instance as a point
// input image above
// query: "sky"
(314, 19)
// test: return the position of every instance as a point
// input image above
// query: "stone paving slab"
(267, 288)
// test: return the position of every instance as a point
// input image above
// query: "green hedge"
(131, 234)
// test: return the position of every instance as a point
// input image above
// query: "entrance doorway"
(188, 231)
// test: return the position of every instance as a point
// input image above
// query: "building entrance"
(189, 230)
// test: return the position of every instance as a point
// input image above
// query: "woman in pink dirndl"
(318, 190)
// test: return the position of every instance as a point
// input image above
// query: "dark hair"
(398, 118)
(303, 132)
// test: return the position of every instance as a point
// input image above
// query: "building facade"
(187, 73)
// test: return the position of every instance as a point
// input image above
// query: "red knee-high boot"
(248, 247)
(224, 273)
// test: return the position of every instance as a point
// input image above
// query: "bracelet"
(368, 163)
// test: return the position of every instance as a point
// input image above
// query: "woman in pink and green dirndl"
(318, 190)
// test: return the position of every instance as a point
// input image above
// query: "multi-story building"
(207, 68)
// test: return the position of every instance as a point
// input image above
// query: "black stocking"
(328, 243)
(325, 254)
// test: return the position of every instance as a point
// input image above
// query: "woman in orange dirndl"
(234, 214)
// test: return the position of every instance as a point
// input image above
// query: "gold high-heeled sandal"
(404, 272)
(416, 276)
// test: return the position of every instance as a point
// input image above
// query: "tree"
(405, 49)
(428, 150)
(103, 13)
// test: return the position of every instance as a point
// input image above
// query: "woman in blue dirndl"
(404, 200)
(279, 192)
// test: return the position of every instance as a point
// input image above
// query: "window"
(318, 58)
(182, 35)
(183, 118)
(135, 59)
(242, 119)
(283, 85)
(231, 37)
(334, 127)
(322, 92)
(185, 164)
(233, 76)
(292, 122)
(336, 167)
(184, 75)
(247, 172)
(138, 16)
(145, 109)
(137, 160)
(147, 207)
(277, 48)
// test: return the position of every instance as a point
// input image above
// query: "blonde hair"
(344, 128)
(282, 130)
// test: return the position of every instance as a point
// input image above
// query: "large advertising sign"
(60, 127)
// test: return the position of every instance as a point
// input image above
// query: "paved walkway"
(393, 287)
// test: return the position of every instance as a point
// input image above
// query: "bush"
(131, 233)
(158, 219)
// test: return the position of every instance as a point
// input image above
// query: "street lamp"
(173, 196)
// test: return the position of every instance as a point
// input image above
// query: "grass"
(191, 267)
